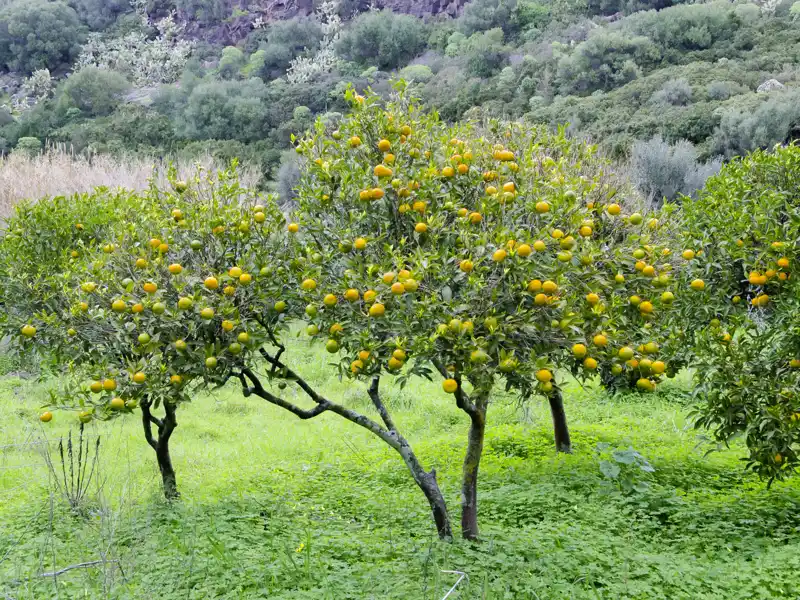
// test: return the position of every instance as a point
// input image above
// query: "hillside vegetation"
(189, 77)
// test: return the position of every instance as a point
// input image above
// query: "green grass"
(273, 507)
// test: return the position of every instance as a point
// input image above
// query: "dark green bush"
(383, 39)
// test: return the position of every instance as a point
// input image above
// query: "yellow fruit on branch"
(450, 386)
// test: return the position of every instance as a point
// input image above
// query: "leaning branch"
(147, 420)
(379, 405)
(259, 390)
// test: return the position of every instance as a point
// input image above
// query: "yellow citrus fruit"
(499, 255)
(646, 307)
(579, 350)
(139, 377)
(370, 296)
(614, 209)
(96, 387)
(109, 385)
(544, 375)
(593, 299)
(549, 287)
(185, 303)
(141, 263)
(590, 363)
(698, 284)
(352, 295)
(534, 285)
(542, 207)
(421, 227)
(600, 340)
(625, 353)
(398, 288)
(466, 266)
(539, 246)
(450, 386)
(150, 287)
(308, 285)
(211, 283)
(293, 227)
(227, 325)
(688, 254)
(46, 416)
(475, 218)
(118, 306)
(207, 313)
(377, 310)
(384, 145)
(524, 250)
(360, 243)
(330, 300)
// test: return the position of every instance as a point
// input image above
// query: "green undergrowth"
(274, 507)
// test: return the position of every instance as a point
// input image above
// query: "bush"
(383, 39)
(28, 146)
(96, 92)
(231, 63)
(39, 34)
(416, 73)
(283, 41)
(772, 122)
(206, 12)
(676, 92)
(100, 14)
(482, 15)
(661, 171)
(722, 90)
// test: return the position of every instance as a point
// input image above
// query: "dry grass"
(60, 172)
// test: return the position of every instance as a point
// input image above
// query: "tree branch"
(147, 419)
(379, 405)
(463, 401)
(390, 437)
(259, 390)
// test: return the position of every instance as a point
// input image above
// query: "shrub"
(722, 90)
(772, 122)
(96, 92)
(38, 34)
(416, 73)
(28, 146)
(661, 171)
(482, 15)
(676, 92)
(231, 62)
(206, 12)
(383, 39)
(99, 14)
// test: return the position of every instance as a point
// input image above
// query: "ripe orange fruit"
(185, 303)
(28, 331)
(369, 296)
(96, 387)
(549, 287)
(646, 307)
(176, 380)
(542, 207)
(150, 287)
(155, 243)
(376, 193)
(658, 367)
(207, 313)
(688, 254)
(421, 227)
(540, 299)
(308, 285)
(590, 363)
(395, 364)
(293, 227)
(466, 266)
(235, 272)
(585, 231)
(259, 217)
(330, 300)
(614, 209)
(419, 206)
(398, 288)
(463, 169)
(475, 218)
(625, 353)
(600, 340)
(116, 403)
(579, 351)
(227, 325)
(524, 250)
(211, 283)
(450, 386)
(352, 295)
(141, 263)
(109, 385)
(175, 269)
(499, 255)
(593, 299)
(139, 377)
(46, 416)
(245, 278)
(403, 274)
(698, 284)
(381, 171)
(360, 243)
(783, 263)
(544, 375)
(162, 248)
(118, 306)
(539, 246)
(356, 366)
(557, 234)
(384, 145)
(388, 277)
(377, 310)
(411, 285)
(535, 285)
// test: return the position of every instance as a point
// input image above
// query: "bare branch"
(261, 392)
(147, 420)
(78, 566)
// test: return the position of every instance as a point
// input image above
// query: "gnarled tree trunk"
(560, 429)
(161, 444)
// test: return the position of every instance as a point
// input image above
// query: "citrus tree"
(494, 256)
(740, 238)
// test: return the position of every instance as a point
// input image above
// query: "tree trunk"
(430, 487)
(161, 445)
(560, 429)
(469, 484)
(167, 472)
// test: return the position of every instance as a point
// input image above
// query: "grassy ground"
(277, 508)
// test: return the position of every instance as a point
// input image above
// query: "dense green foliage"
(618, 72)
(38, 34)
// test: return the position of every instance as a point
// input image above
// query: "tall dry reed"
(59, 172)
